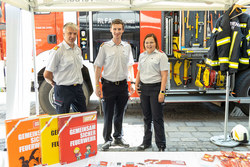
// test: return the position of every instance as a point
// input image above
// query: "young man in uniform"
(63, 71)
(115, 56)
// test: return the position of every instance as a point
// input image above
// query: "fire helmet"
(240, 133)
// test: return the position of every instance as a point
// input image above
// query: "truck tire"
(242, 89)
(46, 97)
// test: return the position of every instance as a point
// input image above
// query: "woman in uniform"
(150, 85)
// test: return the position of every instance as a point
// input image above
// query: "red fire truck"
(2, 32)
(182, 35)
(2, 46)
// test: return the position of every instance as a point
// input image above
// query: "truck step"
(204, 98)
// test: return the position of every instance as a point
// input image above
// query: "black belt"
(151, 84)
(115, 83)
(74, 85)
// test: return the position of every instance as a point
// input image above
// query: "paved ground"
(188, 127)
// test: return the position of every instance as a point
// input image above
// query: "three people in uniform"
(63, 72)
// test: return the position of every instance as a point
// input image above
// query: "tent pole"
(226, 106)
(225, 140)
(249, 117)
(34, 59)
(91, 37)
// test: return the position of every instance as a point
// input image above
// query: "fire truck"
(182, 35)
(2, 46)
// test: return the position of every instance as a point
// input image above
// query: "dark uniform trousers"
(66, 96)
(152, 112)
(114, 103)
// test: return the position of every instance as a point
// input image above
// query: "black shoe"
(106, 145)
(121, 142)
(161, 149)
(142, 147)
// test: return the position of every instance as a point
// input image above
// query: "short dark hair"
(155, 39)
(117, 21)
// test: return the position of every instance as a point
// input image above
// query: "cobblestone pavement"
(188, 127)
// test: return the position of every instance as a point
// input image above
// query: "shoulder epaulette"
(102, 44)
(56, 47)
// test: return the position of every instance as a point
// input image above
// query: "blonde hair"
(71, 25)
(76, 149)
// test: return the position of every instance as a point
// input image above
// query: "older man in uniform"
(63, 71)
(115, 56)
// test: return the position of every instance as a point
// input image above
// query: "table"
(192, 159)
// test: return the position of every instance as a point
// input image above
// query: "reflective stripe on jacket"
(230, 48)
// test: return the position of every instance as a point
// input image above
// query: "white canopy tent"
(97, 5)
(14, 34)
